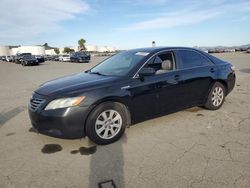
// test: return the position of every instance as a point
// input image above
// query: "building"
(102, 49)
(4, 50)
(111, 49)
(91, 48)
(13, 51)
(50, 52)
(34, 50)
(40, 50)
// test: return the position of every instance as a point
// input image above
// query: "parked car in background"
(56, 58)
(127, 88)
(29, 60)
(10, 58)
(48, 57)
(19, 57)
(64, 58)
(40, 58)
(80, 57)
(3, 58)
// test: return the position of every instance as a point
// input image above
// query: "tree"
(57, 51)
(67, 50)
(81, 44)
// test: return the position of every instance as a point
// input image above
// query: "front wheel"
(106, 123)
(216, 97)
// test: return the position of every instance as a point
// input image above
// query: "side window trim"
(173, 58)
(209, 63)
(153, 56)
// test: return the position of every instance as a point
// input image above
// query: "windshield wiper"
(98, 73)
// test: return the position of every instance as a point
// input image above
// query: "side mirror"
(146, 71)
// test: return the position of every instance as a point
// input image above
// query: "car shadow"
(6, 116)
(106, 166)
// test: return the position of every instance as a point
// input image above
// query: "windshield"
(119, 64)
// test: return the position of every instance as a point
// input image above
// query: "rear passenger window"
(192, 59)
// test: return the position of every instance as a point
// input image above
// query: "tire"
(216, 96)
(99, 129)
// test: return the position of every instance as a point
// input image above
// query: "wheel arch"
(110, 99)
(224, 83)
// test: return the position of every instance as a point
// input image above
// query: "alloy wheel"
(217, 96)
(108, 124)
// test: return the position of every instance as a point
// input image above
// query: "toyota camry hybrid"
(127, 88)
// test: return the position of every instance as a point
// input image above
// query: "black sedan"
(80, 57)
(29, 60)
(127, 88)
(40, 58)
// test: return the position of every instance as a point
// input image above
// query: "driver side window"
(162, 62)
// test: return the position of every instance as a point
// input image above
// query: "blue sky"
(126, 23)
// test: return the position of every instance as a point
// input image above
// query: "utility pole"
(153, 44)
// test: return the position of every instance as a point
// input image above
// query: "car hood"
(74, 83)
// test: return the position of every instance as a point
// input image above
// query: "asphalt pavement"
(191, 148)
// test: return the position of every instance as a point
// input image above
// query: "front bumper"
(61, 123)
(84, 60)
(29, 62)
(65, 60)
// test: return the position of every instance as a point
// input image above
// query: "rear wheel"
(107, 123)
(216, 97)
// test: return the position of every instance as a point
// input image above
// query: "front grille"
(35, 103)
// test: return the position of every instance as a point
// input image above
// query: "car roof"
(157, 49)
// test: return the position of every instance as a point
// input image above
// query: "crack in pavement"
(184, 153)
(6, 116)
(203, 174)
(242, 121)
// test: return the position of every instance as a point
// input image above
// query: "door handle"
(212, 70)
(177, 77)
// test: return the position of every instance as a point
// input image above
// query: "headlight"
(64, 102)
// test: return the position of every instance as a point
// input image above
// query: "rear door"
(197, 72)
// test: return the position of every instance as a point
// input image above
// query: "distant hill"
(224, 47)
(16, 46)
(47, 47)
(245, 46)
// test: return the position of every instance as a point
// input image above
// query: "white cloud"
(170, 21)
(29, 18)
(144, 2)
(193, 13)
